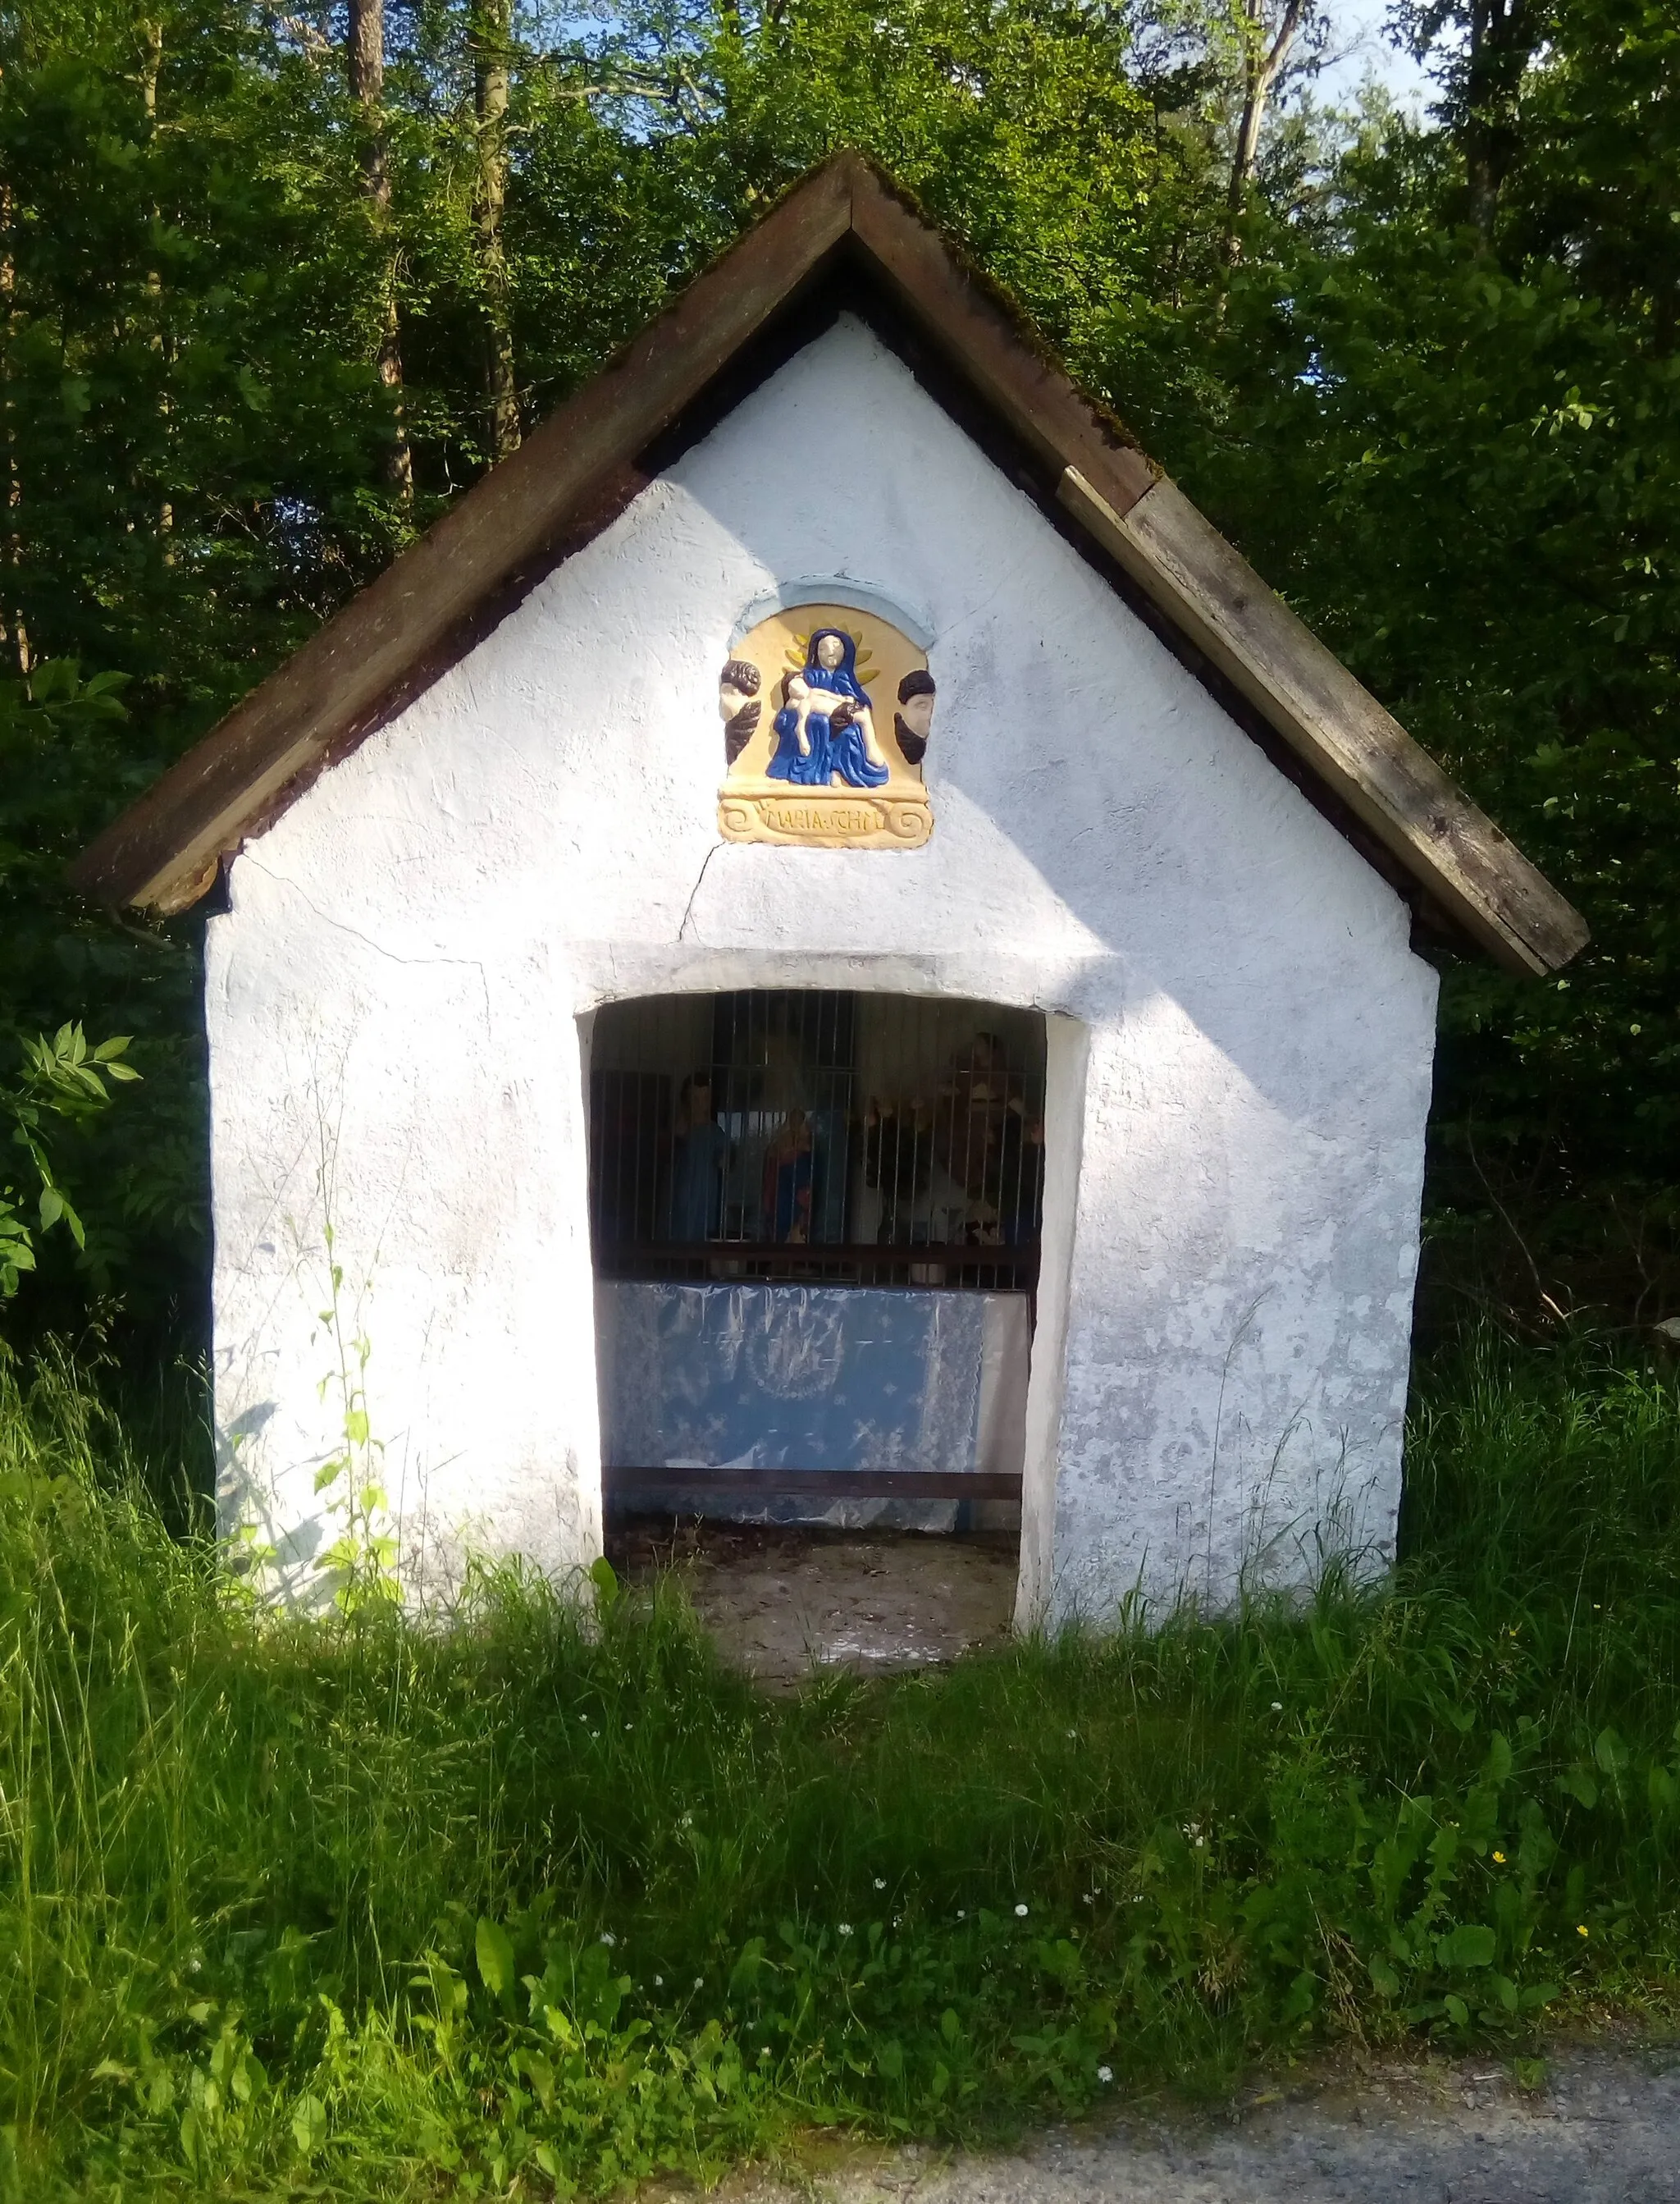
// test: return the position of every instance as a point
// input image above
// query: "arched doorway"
(815, 1217)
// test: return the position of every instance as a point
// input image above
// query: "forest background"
(275, 287)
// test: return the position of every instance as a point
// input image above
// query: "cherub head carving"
(913, 723)
(738, 705)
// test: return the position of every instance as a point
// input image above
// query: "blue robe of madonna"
(833, 752)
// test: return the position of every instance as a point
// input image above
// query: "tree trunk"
(1503, 36)
(151, 68)
(366, 61)
(492, 32)
(12, 629)
(1261, 66)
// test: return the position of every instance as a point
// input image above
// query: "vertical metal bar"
(633, 1097)
(665, 1140)
(615, 1130)
(735, 1104)
(911, 1107)
(620, 1161)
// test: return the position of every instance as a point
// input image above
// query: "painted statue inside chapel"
(826, 716)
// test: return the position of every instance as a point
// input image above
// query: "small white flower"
(1277, 1706)
(608, 1938)
(629, 1725)
(880, 1882)
(659, 1981)
(1090, 1898)
(1105, 2073)
(845, 1927)
(699, 1982)
(1073, 1732)
(1021, 1913)
(960, 1915)
(895, 1920)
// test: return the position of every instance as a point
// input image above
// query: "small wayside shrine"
(822, 947)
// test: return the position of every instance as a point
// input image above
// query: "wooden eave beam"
(972, 325)
(163, 852)
(1210, 592)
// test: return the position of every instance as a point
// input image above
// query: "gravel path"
(1603, 2128)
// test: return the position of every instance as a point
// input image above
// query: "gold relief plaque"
(826, 715)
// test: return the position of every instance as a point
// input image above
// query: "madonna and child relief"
(826, 716)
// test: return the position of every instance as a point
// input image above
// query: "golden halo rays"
(863, 661)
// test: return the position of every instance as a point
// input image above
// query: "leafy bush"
(128, 1186)
(63, 1078)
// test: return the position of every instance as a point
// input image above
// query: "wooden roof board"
(163, 852)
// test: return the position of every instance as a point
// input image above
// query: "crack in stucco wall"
(688, 908)
(339, 926)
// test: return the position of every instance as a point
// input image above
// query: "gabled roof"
(845, 223)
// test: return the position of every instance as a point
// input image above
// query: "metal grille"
(873, 1140)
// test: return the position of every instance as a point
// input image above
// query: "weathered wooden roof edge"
(163, 852)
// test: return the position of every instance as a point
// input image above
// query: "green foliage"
(361, 1562)
(133, 1180)
(1492, 466)
(540, 1890)
(191, 404)
(1023, 127)
(65, 1079)
(1439, 405)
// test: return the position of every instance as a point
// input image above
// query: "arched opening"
(816, 1217)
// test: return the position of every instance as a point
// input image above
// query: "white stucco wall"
(1240, 1036)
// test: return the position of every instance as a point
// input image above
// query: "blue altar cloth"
(791, 1376)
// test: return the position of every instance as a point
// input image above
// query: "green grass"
(362, 1911)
